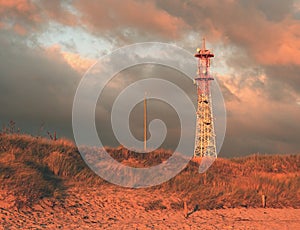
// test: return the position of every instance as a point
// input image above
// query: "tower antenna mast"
(205, 140)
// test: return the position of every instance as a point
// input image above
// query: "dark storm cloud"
(262, 117)
(265, 38)
(285, 75)
(35, 87)
(274, 10)
(261, 88)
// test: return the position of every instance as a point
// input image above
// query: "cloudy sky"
(46, 47)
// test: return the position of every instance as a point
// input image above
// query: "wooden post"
(185, 209)
(264, 201)
(204, 178)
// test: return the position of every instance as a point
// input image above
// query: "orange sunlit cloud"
(19, 5)
(282, 47)
(129, 14)
(77, 62)
(74, 60)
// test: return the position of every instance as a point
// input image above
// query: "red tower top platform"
(203, 53)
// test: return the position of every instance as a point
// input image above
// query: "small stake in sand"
(186, 212)
(185, 209)
(264, 201)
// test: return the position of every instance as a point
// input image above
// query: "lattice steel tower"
(205, 141)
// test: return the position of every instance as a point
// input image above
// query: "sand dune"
(46, 185)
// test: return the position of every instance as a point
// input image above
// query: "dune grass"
(34, 168)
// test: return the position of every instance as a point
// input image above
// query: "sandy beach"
(116, 208)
